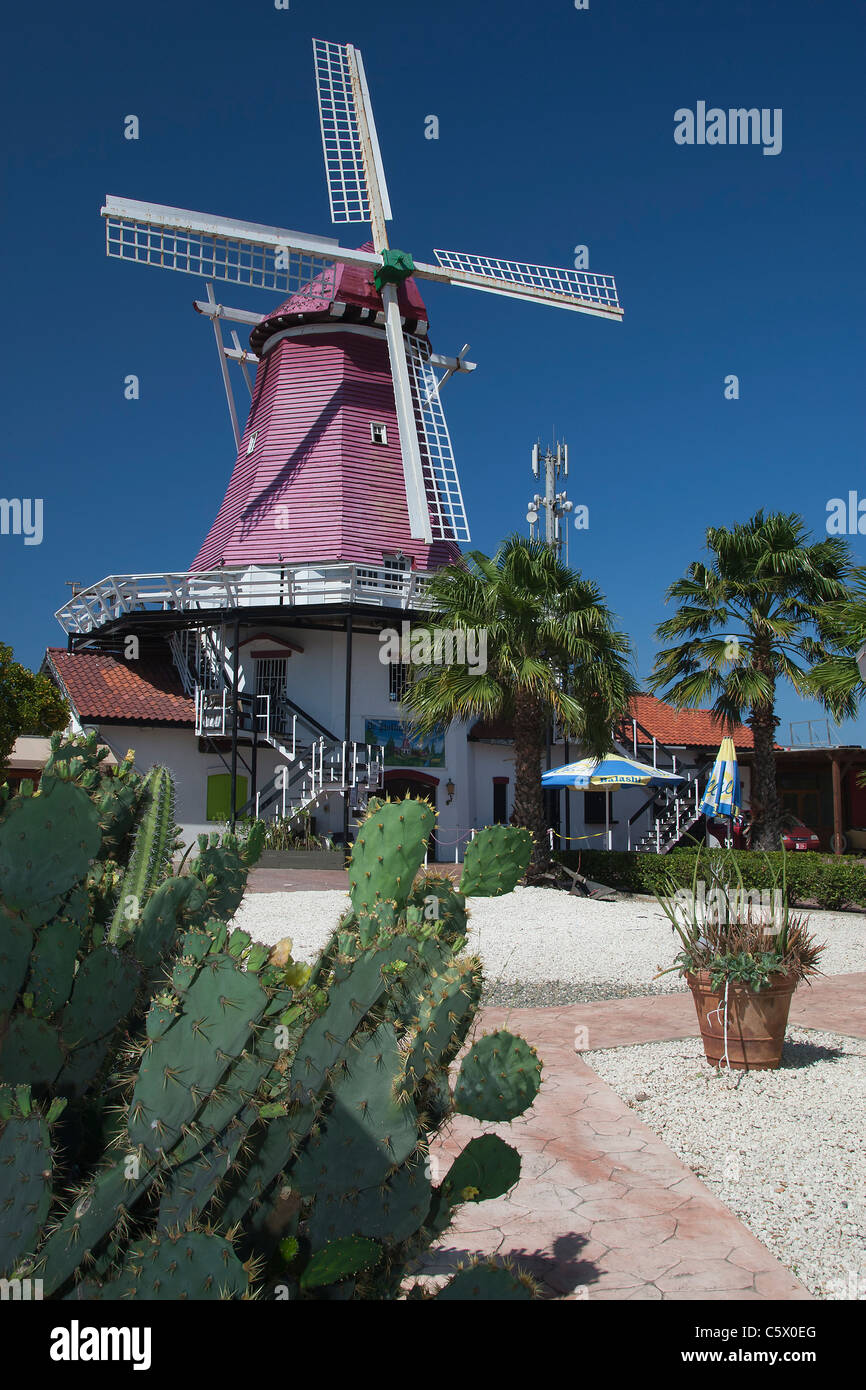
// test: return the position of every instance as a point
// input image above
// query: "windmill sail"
(442, 485)
(584, 290)
(341, 86)
(220, 248)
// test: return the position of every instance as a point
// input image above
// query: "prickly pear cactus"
(485, 1281)
(116, 790)
(46, 844)
(498, 1079)
(495, 861)
(26, 1163)
(275, 1118)
(388, 852)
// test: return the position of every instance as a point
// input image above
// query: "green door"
(219, 795)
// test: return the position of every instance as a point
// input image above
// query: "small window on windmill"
(251, 442)
(398, 679)
(379, 433)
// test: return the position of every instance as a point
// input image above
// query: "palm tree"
(846, 622)
(756, 614)
(552, 653)
(840, 674)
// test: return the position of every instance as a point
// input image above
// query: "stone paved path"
(604, 1209)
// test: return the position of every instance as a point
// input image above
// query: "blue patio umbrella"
(722, 795)
(613, 771)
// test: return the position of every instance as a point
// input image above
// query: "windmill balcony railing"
(257, 586)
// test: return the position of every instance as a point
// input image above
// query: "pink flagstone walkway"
(604, 1209)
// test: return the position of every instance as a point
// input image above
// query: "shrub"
(830, 881)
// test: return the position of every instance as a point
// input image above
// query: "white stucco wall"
(316, 683)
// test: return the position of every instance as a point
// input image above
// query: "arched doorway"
(423, 787)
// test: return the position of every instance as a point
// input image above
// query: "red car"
(796, 835)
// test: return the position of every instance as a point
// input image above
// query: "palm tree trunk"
(530, 725)
(766, 812)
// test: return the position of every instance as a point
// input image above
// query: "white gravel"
(542, 946)
(783, 1149)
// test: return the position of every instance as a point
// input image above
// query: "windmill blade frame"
(420, 525)
(350, 143)
(222, 248)
(584, 291)
(442, 484)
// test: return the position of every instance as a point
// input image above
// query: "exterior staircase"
(313, 766)
(316, 762)
(676, 820)
(662, 833)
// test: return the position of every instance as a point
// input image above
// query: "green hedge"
(830, 881)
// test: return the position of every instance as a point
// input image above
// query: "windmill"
(309, 268)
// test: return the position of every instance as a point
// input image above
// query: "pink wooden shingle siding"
(316, 488)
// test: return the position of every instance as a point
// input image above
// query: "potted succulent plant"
(743, 955)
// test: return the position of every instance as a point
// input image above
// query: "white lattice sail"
(217, 248)
(340, 87)
(442, 485)
(578, 289)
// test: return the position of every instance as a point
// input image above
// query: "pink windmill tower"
(346, 455)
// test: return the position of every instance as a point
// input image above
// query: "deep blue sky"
(556, 128)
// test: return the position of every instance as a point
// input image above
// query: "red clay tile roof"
(695, 728)
(104, 687)
(691, 728)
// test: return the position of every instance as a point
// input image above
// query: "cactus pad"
(486, 1169)
(391, 1211)
(52, 966)
(25, 1175)
(191, 1264)
(46, 844)
(190, 1186)
(499, 1078)
(372, 1128)
(30, 1052)
(495, 861)
(183, 1066)
(388, 852)
(487, 1281)
(339, 1259)
(16, 943)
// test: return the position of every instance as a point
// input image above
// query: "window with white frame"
(378, 432)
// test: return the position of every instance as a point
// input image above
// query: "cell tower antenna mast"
(555, 505)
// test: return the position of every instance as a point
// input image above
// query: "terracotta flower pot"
(756, 1021)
